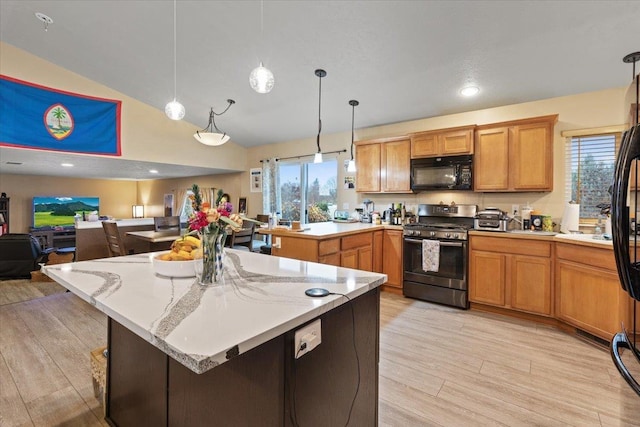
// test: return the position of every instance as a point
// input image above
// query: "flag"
(34, 116)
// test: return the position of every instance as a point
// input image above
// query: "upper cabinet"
(383, 165)
(442, 142)
(515, 156)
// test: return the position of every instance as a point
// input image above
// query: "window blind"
(590, 162)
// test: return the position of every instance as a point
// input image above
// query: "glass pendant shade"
(261, 79)
(351, 167)
(174, 110)
(211, 138)
(317, 158)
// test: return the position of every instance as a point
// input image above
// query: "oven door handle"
(450, 244)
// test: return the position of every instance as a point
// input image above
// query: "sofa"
(20, 254)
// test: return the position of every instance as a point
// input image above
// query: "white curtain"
(270, 185)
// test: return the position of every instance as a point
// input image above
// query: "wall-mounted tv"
(51, 212)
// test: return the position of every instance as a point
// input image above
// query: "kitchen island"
(183, 354)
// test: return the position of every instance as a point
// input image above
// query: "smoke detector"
(44, 19)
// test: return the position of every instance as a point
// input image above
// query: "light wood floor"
(438, 367)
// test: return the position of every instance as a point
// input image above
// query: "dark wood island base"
(265, 386)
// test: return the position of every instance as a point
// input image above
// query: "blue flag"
(34, 116)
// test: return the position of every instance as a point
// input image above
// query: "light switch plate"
(310, 336)
(345, 206)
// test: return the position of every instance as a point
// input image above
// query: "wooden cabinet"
(352, 251)
(392, 262)
(511, 273)
(357, 251)
(4, 215)
(442, 142)
(589, 295)
(383, 165)
(515, 156)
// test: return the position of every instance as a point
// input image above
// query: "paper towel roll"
(570, 218)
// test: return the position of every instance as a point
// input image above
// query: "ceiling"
(402, 60)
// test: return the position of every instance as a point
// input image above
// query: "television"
(55, 212)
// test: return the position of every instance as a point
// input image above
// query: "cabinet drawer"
(327, 247)
(595, 257)
(357, 240)
(511, 246)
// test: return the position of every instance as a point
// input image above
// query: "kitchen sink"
(536, 233)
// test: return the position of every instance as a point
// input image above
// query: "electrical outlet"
(345, 206)
(307, 338)
(515, 210)
(277, 242)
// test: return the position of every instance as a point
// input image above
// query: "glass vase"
(209, 268)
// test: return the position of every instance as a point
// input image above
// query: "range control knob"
(432, 234)
(417, 232)
(456, 236)
(447, 235)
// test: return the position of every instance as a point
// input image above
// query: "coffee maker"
(367, 211)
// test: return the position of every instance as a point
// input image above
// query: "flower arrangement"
(212, 225)
(217, 219)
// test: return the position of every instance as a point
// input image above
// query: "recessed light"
(66, 165)
(44, 19)
(469, 91)
(153, 171)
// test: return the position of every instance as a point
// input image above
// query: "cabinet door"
(333, 259)
(456, 142)
(392, 262)
(368, 168)
(531, 284)
(531, 157)
(424, 146)
(377, 251)
(349, 259)
(365, 258)
(487, 278)
(491, 160)
(589, 298)
(396, 166)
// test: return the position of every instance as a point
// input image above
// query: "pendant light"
(261, 79)
(207, 136)
(174, 110)
(318, 156)
(351, 167)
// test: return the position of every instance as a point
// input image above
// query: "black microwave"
(442, 173)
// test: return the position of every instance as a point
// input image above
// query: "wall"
(582, 111)
(143, 128)
(116, 197)
(151, 193)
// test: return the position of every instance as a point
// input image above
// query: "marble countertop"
(577, 239)
(260, 298)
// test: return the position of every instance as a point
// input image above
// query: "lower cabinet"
(392, 262)
(589, 295)
(511, 273)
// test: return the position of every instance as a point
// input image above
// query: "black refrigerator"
(626, 241)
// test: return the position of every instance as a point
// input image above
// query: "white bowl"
(174, 268)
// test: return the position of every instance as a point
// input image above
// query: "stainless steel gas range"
(448, 225)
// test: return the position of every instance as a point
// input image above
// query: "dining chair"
(114, 240)
(243, 239)
(166, 223)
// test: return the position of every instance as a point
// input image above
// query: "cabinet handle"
(621, 340)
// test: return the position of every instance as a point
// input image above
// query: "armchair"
(20, 254)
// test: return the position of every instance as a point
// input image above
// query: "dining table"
(157, 240)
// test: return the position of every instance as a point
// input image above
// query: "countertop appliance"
(626, 247)
(491, 219)
(442, 173)
(367, 212)
(448, 225)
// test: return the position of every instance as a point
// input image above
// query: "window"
(589, 168)
(320, 196)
